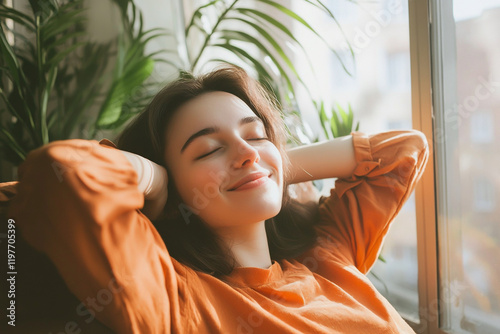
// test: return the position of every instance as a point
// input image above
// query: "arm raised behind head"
(327, 159)
(152, 181)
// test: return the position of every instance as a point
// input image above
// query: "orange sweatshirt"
(78, 202)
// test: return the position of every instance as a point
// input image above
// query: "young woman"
(186, 225)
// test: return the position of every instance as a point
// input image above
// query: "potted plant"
(52, 86)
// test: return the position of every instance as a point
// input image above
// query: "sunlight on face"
(221, 162)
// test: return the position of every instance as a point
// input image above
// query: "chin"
(250, 209)
(266, 210)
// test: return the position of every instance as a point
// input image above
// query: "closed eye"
(207, 154)
(255, 139)
(213, 151)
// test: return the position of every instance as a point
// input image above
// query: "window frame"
(425, 197)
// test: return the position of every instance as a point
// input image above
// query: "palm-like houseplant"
(249, 35)
(52, 86)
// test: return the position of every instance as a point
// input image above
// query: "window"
(458, 239)
(468, 257)
(441, 271)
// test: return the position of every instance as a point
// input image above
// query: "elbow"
(53, 161)
(420, 140)
(421, 147)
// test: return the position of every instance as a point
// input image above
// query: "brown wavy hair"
(192, 242)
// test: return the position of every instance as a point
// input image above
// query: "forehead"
(212, 109)
(209, 109)
(213, 106)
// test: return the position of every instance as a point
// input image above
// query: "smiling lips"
(250, 181)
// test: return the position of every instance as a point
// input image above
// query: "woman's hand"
(327, 159)
(154, 207)
(152, 181)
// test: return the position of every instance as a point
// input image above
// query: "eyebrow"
(215, 129)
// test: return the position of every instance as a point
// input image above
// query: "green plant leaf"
(244, 37)
(382, 258)
(12, 143)
(61, 19)
(242, 54)
(341, 122)
(209, 35)
(60, 23)
(138, 45)
(342, 114)
(18, 17)
(18, 37)
(197, 14)
(63, 54)
(256, 13)
(10, 58)
(325, 9)
(44, 103)
(18, 80)
(299, 19)
(323, 118)
(271, 41)
(88, 73)
(64, 39)
(135, 76)
(334, 124)
(350, 116)
(132, 68)
(263, 17)
(12, 109)
(290, 13)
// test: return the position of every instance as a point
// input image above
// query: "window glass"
(468, 156)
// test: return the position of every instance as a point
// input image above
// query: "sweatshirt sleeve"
(359, 210)
(78, 202)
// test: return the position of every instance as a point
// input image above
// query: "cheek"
(198, 184)
(272, 156)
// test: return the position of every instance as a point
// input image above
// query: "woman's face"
(221, 163)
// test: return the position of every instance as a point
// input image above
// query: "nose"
(246, 155)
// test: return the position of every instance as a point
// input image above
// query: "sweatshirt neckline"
(253, 276)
